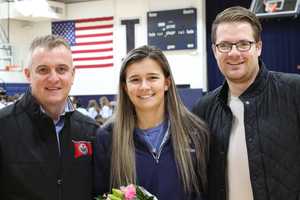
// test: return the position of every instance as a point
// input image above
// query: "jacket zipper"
(59, 177)
(156, 156)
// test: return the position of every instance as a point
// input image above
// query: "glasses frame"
(236, 44)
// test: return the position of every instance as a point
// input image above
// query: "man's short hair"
(237, 14)
(48, 42)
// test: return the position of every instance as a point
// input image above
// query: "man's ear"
(73, 75)
(27, 74)
(259, 47)
(213, 47)
(73, 71)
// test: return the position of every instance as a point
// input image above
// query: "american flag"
(91, 40)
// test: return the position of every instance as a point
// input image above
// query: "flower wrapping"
(129, 192)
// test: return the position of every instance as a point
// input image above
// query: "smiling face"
(51, 75)
(146, 85)
(237, 67)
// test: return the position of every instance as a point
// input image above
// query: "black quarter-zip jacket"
(32, 168)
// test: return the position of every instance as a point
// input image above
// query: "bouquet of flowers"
(130, 192)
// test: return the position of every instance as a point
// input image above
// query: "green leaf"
(118, 193)
(113, 197)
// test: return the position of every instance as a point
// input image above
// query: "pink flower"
(129, 192)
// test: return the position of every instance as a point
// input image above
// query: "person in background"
(254, 117)
(77, 106)
(3, 98)
(46, 146)
(106, 110)
(2, 103)
(93, 108)
(152, 140)
(99, 120)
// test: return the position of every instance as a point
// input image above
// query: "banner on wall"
(173, 29)
(91, 40)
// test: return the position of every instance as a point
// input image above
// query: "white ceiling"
(73, 1)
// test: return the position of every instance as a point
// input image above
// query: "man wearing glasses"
(254, 117)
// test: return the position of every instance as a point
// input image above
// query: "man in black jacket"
(254, 117)
(45, 145)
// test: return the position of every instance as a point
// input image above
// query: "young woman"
(152, 140)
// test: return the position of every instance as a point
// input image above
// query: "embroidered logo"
(82, 148)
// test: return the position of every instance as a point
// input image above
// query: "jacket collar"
(253, 90)
(32, 107)
(42, 122)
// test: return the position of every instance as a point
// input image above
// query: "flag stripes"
(91, 40)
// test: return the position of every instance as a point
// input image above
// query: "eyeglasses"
(241, 46)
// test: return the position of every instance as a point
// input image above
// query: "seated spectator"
(77, 105)
(99, 119)
(105, 107)
(2, 98)
(2, 104)
(93, 108)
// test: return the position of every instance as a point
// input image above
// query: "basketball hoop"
(273, 5)
(270, 7)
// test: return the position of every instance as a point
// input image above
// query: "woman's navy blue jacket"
(160, 177)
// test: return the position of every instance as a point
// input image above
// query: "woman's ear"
(125, 87)
(167, 83)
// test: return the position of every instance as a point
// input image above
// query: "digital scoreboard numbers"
(173, 29)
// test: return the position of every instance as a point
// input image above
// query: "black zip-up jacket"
(31, 167)
(272, 128)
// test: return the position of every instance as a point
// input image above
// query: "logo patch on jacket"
(82, 148)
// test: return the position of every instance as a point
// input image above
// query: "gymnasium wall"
(188, 66)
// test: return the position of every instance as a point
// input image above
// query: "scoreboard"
(173, 29)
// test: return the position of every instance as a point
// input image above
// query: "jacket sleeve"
(294, 82)
(102, 155)
(200, 107)
(297, 98)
